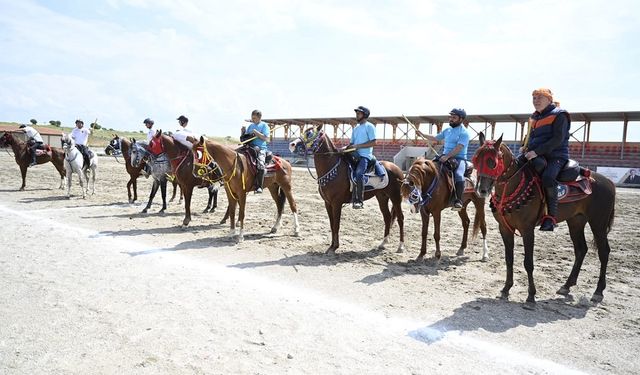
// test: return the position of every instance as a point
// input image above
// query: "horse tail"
(478, 218)
(610, 223)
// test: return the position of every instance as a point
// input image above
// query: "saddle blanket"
(574, 191)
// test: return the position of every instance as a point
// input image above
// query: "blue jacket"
(549, 132)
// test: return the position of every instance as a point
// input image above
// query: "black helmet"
(458, 111)
(79, 121)
(182, 118)
(22, 126)
(363, 110)
(148, 121)
(257, 113)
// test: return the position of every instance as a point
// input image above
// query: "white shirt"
(32, 134)
(80, 136)
(150, 134)
(181, 136)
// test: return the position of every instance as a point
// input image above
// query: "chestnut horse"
(22, 155)
(428, 188)
(124, 145)
(518, 204)
(334, 186)
(238, 178)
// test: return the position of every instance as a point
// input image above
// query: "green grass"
(100, 138)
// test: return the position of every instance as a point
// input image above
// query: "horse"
(74, 163)
(123, 145)
(181, 159)
(159, 164)
(334, 186)
(428, 187)
(234, 169)
(518, 205)
(22, 154)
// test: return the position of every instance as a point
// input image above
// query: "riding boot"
(85, 156)
(33, 158)
(457, 204)
(549, 220)
(359, 195)
(259, 181)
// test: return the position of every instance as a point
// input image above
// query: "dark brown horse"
(181, 159)
(124, 146)
(332, 167)
(239, 178)
(22, 155)
(428, 188)
(518, 205)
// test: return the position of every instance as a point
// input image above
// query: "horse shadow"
(201, 243)
(16, 190)
(428, 267)
(165, 230)
(135, 215)
(497, 316)
(314, 259)
(52, 198)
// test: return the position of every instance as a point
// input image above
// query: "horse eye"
(491, 163)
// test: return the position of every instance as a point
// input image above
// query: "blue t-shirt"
(263, 128)
(364, 133)
(453, 137)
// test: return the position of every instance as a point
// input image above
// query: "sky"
(121, 61)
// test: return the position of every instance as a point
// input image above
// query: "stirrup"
(258, 191)
(358, 205)
(553, 222)
(457, 206)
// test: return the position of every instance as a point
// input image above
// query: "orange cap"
(544, 92)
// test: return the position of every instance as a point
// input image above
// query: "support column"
(624, 136)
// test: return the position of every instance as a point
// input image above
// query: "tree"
(58, 123)
(55, 123)
(33, 121)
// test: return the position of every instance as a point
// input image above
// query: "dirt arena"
(94, 286)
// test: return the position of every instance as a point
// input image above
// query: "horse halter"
(488, 161)
(205, 167)
(312, 139)
(416, 196)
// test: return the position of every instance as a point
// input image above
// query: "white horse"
(74, 163)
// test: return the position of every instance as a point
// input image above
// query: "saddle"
(44, 149)
(272, 162)
(574, 182)
(449, 168)
(375, 175)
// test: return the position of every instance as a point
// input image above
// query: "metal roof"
(498, 118)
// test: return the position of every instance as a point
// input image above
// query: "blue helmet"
(363, 110)
(458, 111)
(148, 121)
(22, 126)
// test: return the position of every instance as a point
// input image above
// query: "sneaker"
(258, 191)
(358, 205)
(33, 164)
(457, 206)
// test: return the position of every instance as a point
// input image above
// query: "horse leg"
(173, 195)
(600, 238)
(479, 217)
(576, 230)
(294, 209)
(383, 202)
(188, 191)
(69, 177)
(209, 200)
(436, 232)
(93, 179)
(154, 190)
(23, 173)
(424, 215)
(464, 218)
(507, 239)
(528, 238)
(242, 204)
(334, 219)
(231, 215)
(163, 191)
(397, 209)
(135, 189)
(275, 192)
(129, 189)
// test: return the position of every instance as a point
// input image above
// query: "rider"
(80, 136)
(150, 133)
(259, 130)
(183, 133)
(456, 142)
(34, 140)
(363, 138)
(547, 148)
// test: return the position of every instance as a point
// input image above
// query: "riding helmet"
(459, 111)
(363, 110)
(148, 121)
(182, 118)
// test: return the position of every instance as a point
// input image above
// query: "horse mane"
(420, 169)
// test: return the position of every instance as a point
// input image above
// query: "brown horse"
(124, 145)
(332, 167)
(22, 155)
(518, 205)
(239, 178)
(428, 188)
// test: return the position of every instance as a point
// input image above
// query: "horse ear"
(319, 127)
(201, 140)
(133, 140)
(158, 133)
(498, 142)
(481, 138)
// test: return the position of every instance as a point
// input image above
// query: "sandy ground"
(93, 286)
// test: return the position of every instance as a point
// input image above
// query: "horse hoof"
(420, 258)
(597, 298)
(296, 233)
(529, 305)
(400, 248)
(563, 291)
(223, 222)
(274, 230)
(144, 211)
(438, 255)
(484, 259)
(186, 222)
(504, 296)
(331, 251)
(460, 252)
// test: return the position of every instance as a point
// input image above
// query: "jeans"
(459, 172)
(361, 168)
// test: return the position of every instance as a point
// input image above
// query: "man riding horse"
(34, 140)
(456, 142)
(546, 147)
(80, 136)
(259, 131)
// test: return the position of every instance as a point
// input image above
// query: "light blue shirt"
(364, 133)
(453, 137)
(263, 128)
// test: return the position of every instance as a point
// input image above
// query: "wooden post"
(624, 136)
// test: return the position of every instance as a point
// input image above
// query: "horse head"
(67, 143)
(114, 145)
(6, 139)
(419, 183)
(489, 162)
(309, 140)
(138, 152)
